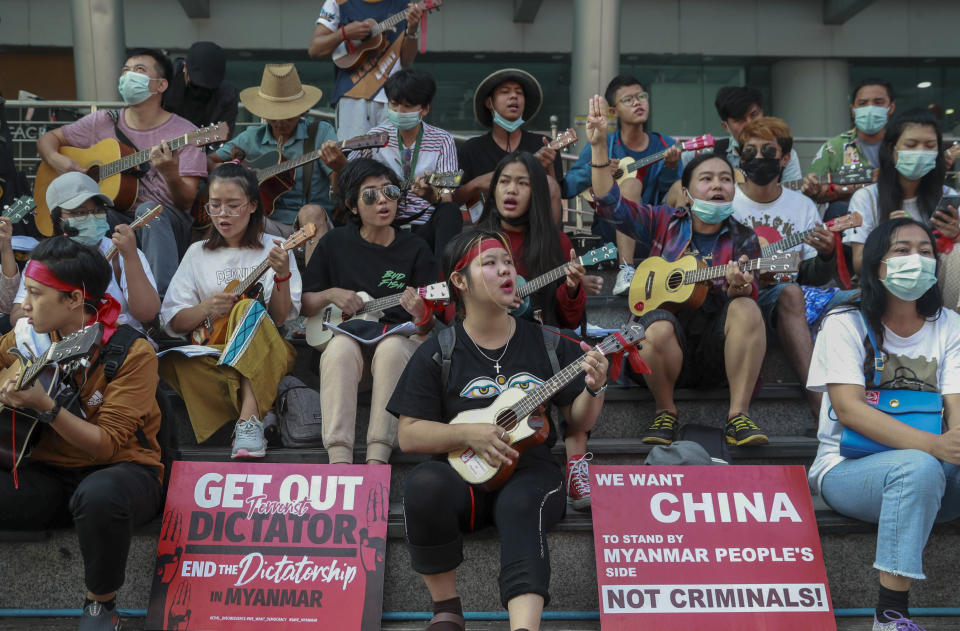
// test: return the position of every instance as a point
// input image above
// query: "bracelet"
(426, 318)
(277, 280)
(597, 393)
(600, 166)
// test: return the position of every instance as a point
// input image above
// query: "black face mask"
(522, 220)
(761, 171)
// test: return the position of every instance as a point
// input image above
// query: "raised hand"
(596, 127)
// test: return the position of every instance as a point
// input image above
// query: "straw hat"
(532, 94)
(280, 94)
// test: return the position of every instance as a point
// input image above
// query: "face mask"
(870, 119)
(89, 228)
(709, 211)
(508, 126)
(403, 120)
(522, 220)
(909, 277)
(134, 87)
(761, 171)
(913, 165)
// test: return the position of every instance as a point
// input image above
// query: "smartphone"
(949, 200)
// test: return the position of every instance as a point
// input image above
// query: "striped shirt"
(438, 153)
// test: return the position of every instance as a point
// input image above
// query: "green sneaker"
(741, 431)
(663, 429)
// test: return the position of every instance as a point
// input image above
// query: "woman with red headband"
(240, 382)
(368, 254)
(98, 459)
(492, 351)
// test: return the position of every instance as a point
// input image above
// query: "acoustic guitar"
(318, 335)
(107, 162)
(213, 330)
(350, 57)
(525, 288)
(18, 427)
(521, 414)
(138, 223)
(682, 284)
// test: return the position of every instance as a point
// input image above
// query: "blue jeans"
(903, 491)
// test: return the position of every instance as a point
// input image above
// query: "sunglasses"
(749, 152)
(369, 196)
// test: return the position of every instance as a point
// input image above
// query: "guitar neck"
(717, 271)
(380, 304)
(34, 370)
(136, 159)
(642, 162)
(388, 24)
(542, 281)
(293, 163)
(785, 244)
(252, 278)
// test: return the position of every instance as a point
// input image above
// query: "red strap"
(637, 363)
(842, 272)
(346, 40)
(473, 508)
(423, 27)
(944, 243)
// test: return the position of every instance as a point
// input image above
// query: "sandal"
(443, 621)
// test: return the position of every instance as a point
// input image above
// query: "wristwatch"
(596, 393)
(50, 415)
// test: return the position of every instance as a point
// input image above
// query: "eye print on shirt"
(488, 388)
(525, 381)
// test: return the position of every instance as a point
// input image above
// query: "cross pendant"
(496, 366)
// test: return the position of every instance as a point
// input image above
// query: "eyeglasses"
(633, 99)
(749, 152)
(370, 196)
(218, 209)
(76, 213)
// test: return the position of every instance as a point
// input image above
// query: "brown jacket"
(125, 409)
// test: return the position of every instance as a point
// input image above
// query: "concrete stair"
(47, 570)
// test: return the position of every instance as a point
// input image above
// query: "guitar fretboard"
(783, 245)
(138, 158)
(388, 24)
(717, 271)
(542, 281)
(642, 162)
(380, 304)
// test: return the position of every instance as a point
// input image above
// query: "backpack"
(298, 414)
(712, 439)
(112, 356)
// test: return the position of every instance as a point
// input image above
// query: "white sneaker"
(248, 441)
(624, 278)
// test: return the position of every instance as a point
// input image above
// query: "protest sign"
(720, 548)
(245, 546)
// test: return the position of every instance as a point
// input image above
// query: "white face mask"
(911, 276)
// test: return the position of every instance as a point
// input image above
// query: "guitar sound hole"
(507, 419)
(674, 280)
(94, 172)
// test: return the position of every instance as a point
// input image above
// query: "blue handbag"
(920, 410)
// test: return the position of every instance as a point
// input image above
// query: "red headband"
(108, 309)
(474, 252)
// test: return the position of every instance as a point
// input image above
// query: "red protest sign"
(244, 546)
(721, 548)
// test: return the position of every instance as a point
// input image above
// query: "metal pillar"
(596, 51)
(99, 48)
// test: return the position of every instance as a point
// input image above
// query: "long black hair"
(456, 249)
(75, 264)
(873, 295)
(247, 181)
(930, 189)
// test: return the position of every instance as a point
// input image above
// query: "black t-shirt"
(482, 154)
(474, 383)
(344, 259)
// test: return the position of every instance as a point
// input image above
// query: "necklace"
(496, 362)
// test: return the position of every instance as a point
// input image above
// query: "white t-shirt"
(118, 292)
(928, 360)
(203, 273)
(864, 202)
(790, 213)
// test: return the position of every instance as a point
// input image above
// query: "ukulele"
(18, 427)
(627, 167)
(318, 335)
(522, 416)
(138, 223)
(349, 56)
(213, 330)
(19, 209)
(107, 162)
(526, 288)
(681, 284)
(837, 224)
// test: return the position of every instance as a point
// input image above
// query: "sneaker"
(96, 617)
(897, 623)
(663, 429)
(248, 441)
(624, 278)
(742, 431)
(578, 481)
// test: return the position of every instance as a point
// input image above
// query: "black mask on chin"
(761, 171)
(522, 220)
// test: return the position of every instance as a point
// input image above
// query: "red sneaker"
(578, 481)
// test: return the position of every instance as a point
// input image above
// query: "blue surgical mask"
(870, 119)
(134, 87)
(910, 276)
(403, 120)
(913, 165)
(90, 228)
(509, 126)
(709, 211)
